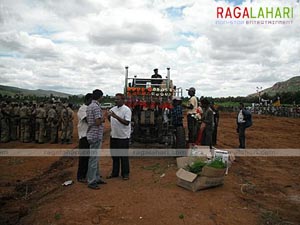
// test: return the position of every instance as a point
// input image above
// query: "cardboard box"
(224, 155)
(209, 177)
(208, 171)
(183, 162)
(198, 150)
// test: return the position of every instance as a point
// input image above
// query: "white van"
(106, 105)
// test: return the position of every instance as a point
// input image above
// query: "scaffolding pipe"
(126, 80)
(168, 78)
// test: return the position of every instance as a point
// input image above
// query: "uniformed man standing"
(59, 108)
(32, 109)
(14, 122)
(67, 124)
(52, 121)
(70, 124)
(47, 107)
(64, 118)
(4, 120)
(25, 123)
(40, 124)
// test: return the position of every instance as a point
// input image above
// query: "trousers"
(119, 153)
(93, 173)
(83, 160)
(242, 136)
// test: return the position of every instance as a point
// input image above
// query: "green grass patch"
(57, 216)
(271, 218)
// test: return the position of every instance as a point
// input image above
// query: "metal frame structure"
(151, 105)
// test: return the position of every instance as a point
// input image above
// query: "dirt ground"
(257, 190)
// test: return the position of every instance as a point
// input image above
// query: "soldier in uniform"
(25, 123)
(9, 111)
(59, 108)
(67, 124)
(70, 123)
(32, 109)
(47, 107)
(52, 121)
(64, 118)
(40, 124)
(14, 122)
(4, 117)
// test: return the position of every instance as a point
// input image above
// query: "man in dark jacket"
(207, 123)
(243, 122)
(216, 123)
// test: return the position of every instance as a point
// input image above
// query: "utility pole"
(258, 90)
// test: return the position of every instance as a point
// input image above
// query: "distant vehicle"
(107, 105)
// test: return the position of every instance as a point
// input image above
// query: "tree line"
(285, 98)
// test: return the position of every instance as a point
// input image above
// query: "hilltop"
(291, 85)
(10, 91)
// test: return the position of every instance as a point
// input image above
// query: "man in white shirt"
(191, 112)
(120, 119)
(84, 146)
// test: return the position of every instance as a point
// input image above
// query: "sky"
(76, 46)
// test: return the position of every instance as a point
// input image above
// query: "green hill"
(11, 91)
(291, 85)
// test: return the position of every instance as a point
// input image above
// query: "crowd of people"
(202, 119)
(40, 123)
(284, 111)
(91, 120)
(281, 111)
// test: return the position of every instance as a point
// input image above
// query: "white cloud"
(118, 26)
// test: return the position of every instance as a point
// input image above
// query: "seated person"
(156, 75)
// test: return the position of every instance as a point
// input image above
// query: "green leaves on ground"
(217, 163)
(181, 216)
(196, 167)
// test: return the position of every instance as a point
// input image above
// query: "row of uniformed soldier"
(27, 122)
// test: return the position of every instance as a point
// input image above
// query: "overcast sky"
(75, 46)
